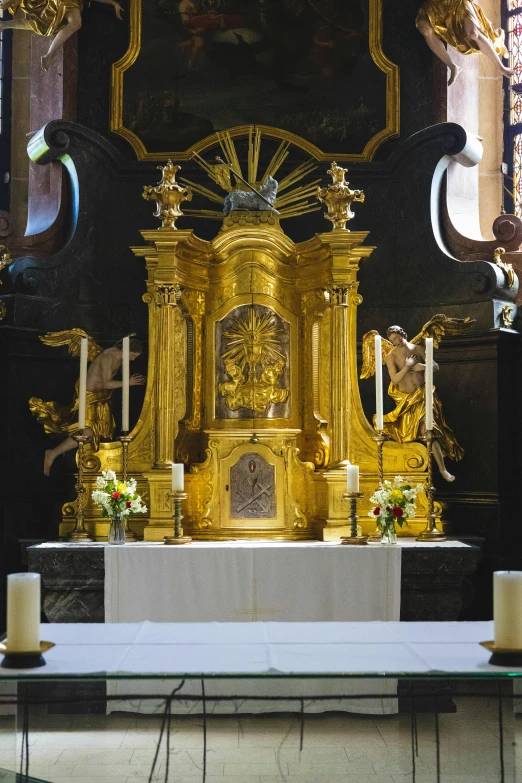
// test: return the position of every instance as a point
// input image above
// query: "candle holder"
(24, 660)
(353, 538)
(79, 533)
(380, 439)
(430, 532)
(177, 538)
(503, 656)
(125, 440)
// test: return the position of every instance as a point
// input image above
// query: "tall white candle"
(429, 383)
(125, 375)
(23, 613)
(178, 477)
(352, 478)
(84, 349)
(507, 609)
(378, 384)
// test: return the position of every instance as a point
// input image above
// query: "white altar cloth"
(249, 581)
(265, 650)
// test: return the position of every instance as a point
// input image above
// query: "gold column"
(340, 376)
(168, 297)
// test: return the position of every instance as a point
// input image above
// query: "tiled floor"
(120, 748)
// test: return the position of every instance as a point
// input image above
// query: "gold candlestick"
(177, 538)
(80, 533)
(353, 538)
(430, 532)
(380, 438)
(125, 441)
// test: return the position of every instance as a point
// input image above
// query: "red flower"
(397, 511)
(128, 504)
(376, 511)
(116, 495)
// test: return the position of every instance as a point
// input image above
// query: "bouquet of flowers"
(395, 503)
(117, 498)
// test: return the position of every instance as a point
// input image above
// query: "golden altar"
(252, 383)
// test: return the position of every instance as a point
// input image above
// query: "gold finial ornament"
(339, 198)
(168, 195)
(5, 258)
(506, 268)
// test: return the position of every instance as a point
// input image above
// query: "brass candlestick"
(80, 533)
(353, 538)
(430, 532)
(125, 441)
(177, 538)
(380, 439)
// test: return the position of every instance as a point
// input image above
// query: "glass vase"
(117, 530)
(389, 533)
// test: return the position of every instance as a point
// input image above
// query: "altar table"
(244, 581)
(283, 651)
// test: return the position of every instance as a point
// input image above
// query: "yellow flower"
(396, 496)
(121, 486)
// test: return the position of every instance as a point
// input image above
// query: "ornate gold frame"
(375, 44)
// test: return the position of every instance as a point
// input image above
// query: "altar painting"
(312, 68)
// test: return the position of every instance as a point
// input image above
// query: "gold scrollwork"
(508, 314)
(508, 270)
(3, 311)
(168, 195)
(339, 294)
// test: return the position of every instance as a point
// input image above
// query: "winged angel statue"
(406, 364)
(58, 419)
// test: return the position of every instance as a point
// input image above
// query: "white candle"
(378, 383)
(352, 478)
(84, 349)
(429, 383)
(507, 609)
(178, 477)
(23, 613)
(125, 375)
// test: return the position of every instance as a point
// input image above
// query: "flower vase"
(117, 530)
(389, 533)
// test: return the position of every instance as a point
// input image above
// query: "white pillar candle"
(178, 477)
(507, 609)
(352, 478)
(84, 349)
(23, 613)
(125, 375)
(429, 383)
(378, 384)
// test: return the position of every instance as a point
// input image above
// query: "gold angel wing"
(440, 326)
(368, 352)
(72, 338)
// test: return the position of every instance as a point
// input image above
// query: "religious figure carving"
(405, 363)
(339, 198)
(49, 17)
(168, 195)
(253, 362)
(249, 200)
(462, 25)
(58, 419)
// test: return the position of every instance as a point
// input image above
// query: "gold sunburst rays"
(253, 340)
(295, 201)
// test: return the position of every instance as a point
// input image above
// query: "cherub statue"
(405, 363)
(463, 25)
(99, 422)
(47, 17)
